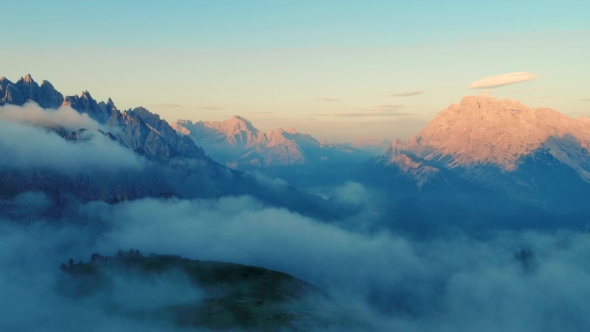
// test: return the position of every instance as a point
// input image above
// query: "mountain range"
(480, 159)
(173, 164)
(238, 144)
(81, 175)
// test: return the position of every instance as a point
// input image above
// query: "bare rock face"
(26, 89)
(147, 134)
(539, 155)
(100, 112)
(483, 130)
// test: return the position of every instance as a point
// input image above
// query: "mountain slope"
(506, 146)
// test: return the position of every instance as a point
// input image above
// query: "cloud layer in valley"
(502, 80)
(523, 281)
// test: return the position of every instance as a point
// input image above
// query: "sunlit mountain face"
(302, 166)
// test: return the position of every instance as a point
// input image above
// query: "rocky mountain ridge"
(173, 164)
(27, 89)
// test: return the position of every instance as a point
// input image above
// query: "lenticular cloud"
(502, 80)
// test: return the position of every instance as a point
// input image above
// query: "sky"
(338, 70)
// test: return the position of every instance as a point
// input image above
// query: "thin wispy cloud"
(368, 114)
(166, 106)
(259, 113)
(210, 108)
(326, 99)
(584, 99)
(502, 80)
(546, 97)
(389, 106)
(406, 94)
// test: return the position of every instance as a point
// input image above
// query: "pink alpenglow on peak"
(499, 144)
(484, 130)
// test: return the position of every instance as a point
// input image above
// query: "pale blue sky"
(280, 63)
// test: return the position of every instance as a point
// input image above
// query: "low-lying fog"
(448, 283)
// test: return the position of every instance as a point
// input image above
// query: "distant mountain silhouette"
(238, 144)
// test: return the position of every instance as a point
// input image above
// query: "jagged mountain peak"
(26, 89)
(86, 104)
(28, 78)
(85, 94)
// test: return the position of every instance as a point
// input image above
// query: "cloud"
(167, 106)
(327, 99)
(402, 283)
(64, 117)
(369, 114)
(406, 94)
(210, 108)
(389, 106)
(585, 99)
(502, 80)
(389, 281)
(27, 147)
(29, 270)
